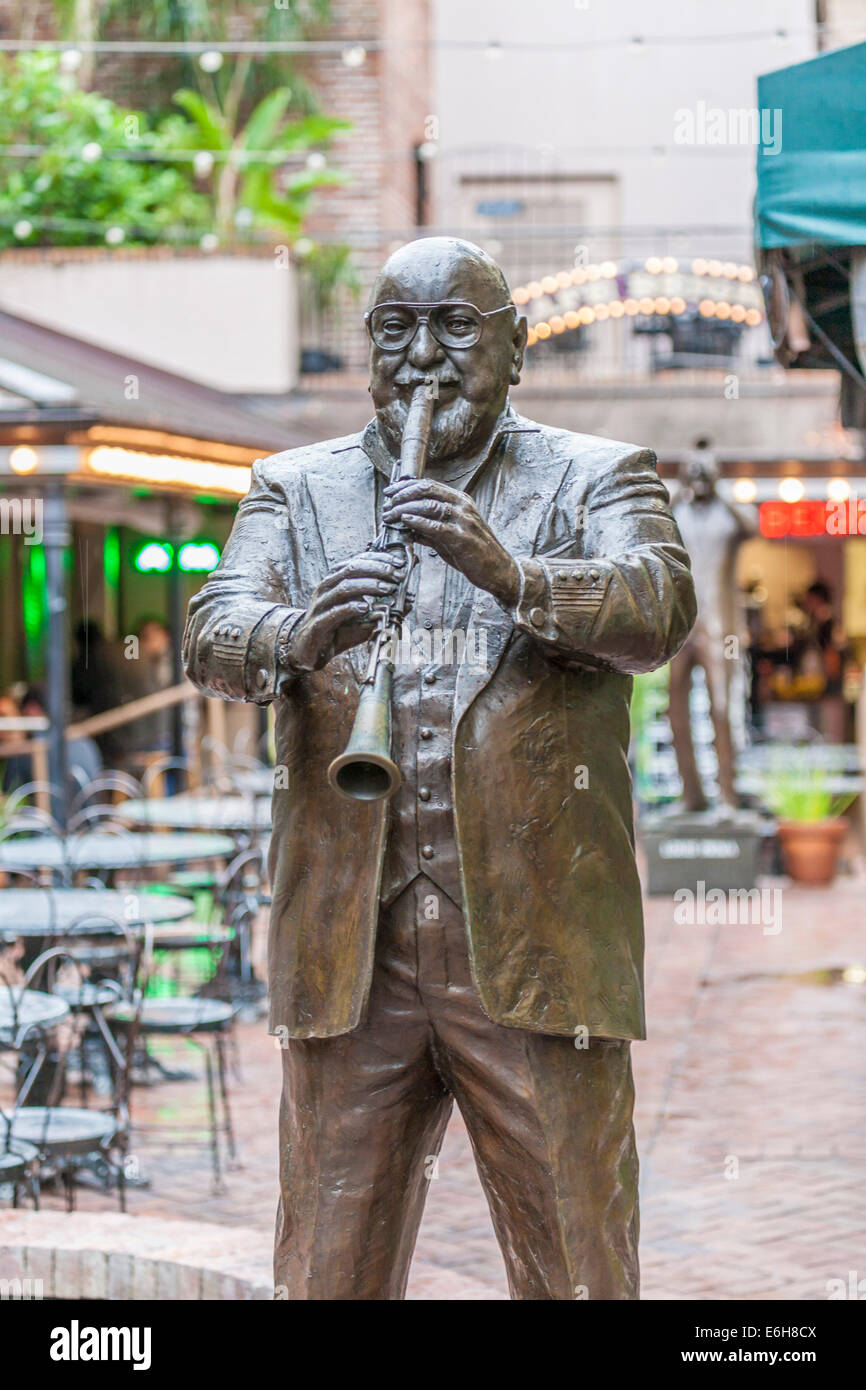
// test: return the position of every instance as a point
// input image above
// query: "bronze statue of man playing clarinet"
(459, 918)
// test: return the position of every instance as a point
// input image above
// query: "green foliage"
(246, 182)
(802, 794)
(649, 699)
(199, 19)
(41, 106)
(44, 110)
(327, 269)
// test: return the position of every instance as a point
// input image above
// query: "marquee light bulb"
(791, 490)
(838, 490)
(23, 459)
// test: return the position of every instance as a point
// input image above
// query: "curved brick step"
(108, 1255)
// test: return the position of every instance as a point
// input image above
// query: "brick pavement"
(750, 1121)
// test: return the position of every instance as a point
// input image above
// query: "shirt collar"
(460, 472)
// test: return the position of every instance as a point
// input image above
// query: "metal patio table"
(23, 1010)
(99, 850)
(255, 781)
(51, 912)
(237, 813)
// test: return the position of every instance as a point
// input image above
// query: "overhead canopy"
(39, 363)
(814, 189)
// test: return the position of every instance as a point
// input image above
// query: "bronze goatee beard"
(453, 431)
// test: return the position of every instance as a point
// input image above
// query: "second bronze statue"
(365, 770)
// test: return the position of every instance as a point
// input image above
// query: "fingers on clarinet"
(421, 506)
(415, 518)
(362, 589)
(374, 584)
(391, 557)
(376, 564)
(419, 487)
(362, 571)
(358, 614)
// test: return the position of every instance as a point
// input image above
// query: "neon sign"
(806, 518)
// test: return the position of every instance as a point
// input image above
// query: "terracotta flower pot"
(811, 848)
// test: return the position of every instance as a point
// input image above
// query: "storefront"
(803, 580)
(796, 674)
(114, 504)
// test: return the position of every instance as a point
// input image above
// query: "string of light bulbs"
(354, 52)
(377, 235)
(716, 305)
(91, 150)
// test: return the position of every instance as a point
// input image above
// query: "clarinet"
(365, 770)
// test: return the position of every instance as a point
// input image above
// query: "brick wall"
(387, 100)
(27, 19)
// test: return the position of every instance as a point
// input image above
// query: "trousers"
(363, 1115)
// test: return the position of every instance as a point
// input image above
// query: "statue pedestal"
(720, 848)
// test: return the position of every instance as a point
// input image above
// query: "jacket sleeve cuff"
(559, 602)
(264, 673)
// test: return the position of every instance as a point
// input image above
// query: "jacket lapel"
(343, 497)
(530, 475)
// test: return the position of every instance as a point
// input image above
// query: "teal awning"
(814, 189)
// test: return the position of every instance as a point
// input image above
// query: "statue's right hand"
(339, 614)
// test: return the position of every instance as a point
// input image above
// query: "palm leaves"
(250, 159)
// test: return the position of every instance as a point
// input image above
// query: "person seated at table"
(83, 755)
(145, 672)
(95, 683)
(823, 651)
(12, 765)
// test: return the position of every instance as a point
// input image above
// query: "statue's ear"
(518, 347)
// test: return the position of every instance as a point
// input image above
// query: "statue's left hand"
(450, 522)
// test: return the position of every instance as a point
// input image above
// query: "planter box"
(224, 319)
(684, 849)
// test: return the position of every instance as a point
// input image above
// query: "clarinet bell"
(365, 771)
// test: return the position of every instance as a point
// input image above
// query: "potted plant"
(811, 826)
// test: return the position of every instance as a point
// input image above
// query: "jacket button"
(562, 575)
(427, 852)
(426, 733)
(423, 793)
(578, 576)
(593, 574)
(429, 678)
(536, 617)
(261, 678)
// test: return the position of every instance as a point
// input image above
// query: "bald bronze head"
(443, 305)
(699, 475)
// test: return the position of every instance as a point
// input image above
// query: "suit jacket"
(539, 772)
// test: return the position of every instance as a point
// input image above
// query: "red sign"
(810, 518)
